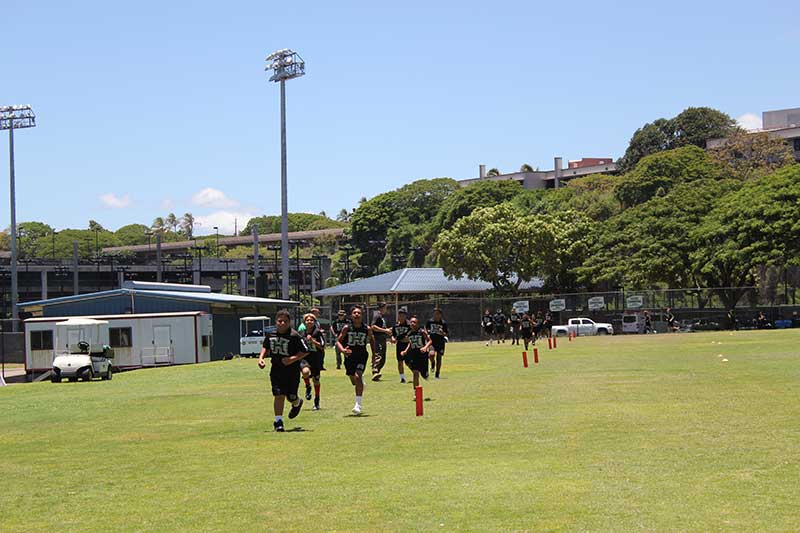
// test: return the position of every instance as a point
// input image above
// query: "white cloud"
(167, 203)
(213, 198)
(115, 202)
(224, 220)
(749, 121)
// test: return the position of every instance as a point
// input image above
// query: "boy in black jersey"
(311, 366)
(513, 323)
(353, 341)
(380, 332)
(500, 326)
(438, 332)
(399, 332)
(416, 353)
(285, 349)
(336, 328)
(526, 329)
(487, 322)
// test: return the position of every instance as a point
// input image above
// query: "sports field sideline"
(608, 433)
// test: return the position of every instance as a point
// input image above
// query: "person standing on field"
(416, 353)
(437, 331)
(285, 348)
(399, 332)
(487, 323)
(381, 334)
(336, 328)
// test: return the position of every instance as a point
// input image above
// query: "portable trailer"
(138, 340)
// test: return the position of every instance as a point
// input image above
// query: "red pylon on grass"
(525, 359)
(418, 398)
(536, 356)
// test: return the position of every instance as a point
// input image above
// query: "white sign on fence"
(596, 302)
(634, 302)
(558, 304)
(521, 307)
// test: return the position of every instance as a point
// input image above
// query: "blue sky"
(149, 107)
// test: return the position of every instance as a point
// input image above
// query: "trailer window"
(120, 337)
(207, 340)
(42, 340)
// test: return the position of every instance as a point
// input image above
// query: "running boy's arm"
(298, 347)
(262, 355)
(428, 342)
(340, 338)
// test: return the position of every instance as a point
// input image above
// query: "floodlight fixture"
(14, 117)
(285, 64)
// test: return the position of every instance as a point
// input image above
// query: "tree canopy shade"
(693, 126)
(656, 174)
(503, 246)
(297, 222)
(755, 225)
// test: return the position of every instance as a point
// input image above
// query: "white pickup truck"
(582, 327)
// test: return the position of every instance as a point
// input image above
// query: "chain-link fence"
(694, 309)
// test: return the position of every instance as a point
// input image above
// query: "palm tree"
(158, 224)
(187, 225)
(172, 222)
(526, 168)
(492, 172)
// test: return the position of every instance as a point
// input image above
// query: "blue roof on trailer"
(204, 297)
(415, 281)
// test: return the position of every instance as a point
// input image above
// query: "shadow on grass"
(357, 416)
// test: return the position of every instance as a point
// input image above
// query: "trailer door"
(162, 342)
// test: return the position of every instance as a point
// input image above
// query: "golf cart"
(85, 356)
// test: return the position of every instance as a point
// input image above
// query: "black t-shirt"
(437, 329)
(514, 318)
(399, 332)
(487, 321)
(416, 340)
(525, 323)
(280, 345)
(318, 336)
(378, 320)
(500, 320)
(356, 339)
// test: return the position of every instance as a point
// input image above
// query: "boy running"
(311, 366)
(526, 329)
(352, 342)
(416, 353)
(380, 332)
(399, 332)
(500, 326)
(513, 323)
(285, 349)
(437, 329)
(488, 325)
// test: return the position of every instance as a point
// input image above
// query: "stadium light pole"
(285, 65)
(14, 117)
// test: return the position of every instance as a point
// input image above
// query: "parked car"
(582, 327)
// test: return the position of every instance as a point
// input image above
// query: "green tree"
(132, 234)
(649, 139)
(158, 224)
(465, 200)
(297, 222)
(172, 222)
(695, 125)
(526, 168)
(661, 171)
(752, 155)
(757, 225)
(492, 172)
(187, 225)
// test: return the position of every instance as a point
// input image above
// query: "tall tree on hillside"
(187, 225)
(172, 222)
(94, 226)
(343, 216)
(158, 224)
(752, 155)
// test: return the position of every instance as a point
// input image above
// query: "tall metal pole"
(256, 259)
(284, 202)
(13, 199)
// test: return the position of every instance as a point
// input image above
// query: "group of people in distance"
(523, 326)
(300, 353)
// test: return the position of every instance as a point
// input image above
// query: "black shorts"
(313, 361)
(355, 363)
(400, 348)
(488, 329)
(285, 380)
(526, 333)
(438, 347)
(416, 360)
(500, 331)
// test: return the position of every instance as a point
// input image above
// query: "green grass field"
(614, 433)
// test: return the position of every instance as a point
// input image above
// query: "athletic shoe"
(356, 409)
(308, 392)
(487, 344)
(278, 425)
(296, 409)
(376, 376)
(402, 380)
(424, 374)
(316, 404)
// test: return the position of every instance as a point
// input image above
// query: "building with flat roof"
(781, 124)
(550, 179)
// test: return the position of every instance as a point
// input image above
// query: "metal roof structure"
(415, 281)
(193, 293)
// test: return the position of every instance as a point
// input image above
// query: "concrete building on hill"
(781, 123)
(550, 179)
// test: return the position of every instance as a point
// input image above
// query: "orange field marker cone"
(549, 343)
(418, 397)
(525, 359)
(555, 343)
(536, 356)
